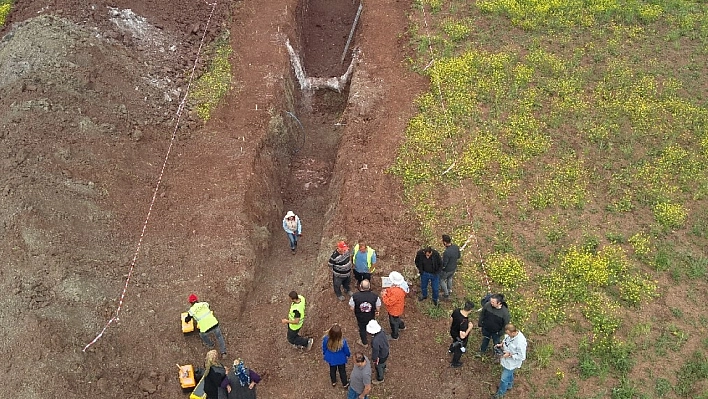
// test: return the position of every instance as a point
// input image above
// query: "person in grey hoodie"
(450, 257)
(514, 354)
(492, 319)
(379, 349)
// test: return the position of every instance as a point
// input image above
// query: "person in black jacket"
(492, 319)
(365, 305)
(429, 264)
(214, 376)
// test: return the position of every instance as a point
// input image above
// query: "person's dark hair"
(358, 357)
(428, 249)
(510, 327)
(500, 299)
(293, 295)
(469, 305)
(446, 239)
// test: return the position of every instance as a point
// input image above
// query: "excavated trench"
(309, 151)
(323, 32)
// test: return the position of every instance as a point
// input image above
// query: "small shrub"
(641, 243)
(507, 270)
(635, 288)
(670, 216)
(625, 390)
(691, 375)
(662, 387)
(615, 238)
(543, 354)
(697, 267)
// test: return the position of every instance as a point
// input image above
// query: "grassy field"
(566, 142)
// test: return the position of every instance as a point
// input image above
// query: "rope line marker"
(177, 117)
(442, 105)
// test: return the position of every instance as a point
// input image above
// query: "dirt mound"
(86, 120)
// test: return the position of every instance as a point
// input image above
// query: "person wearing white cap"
(379, 349)
(293, 228)
(394, 298)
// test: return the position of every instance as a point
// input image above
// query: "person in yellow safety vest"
(296, 317)
(364, 259)
(206, 322)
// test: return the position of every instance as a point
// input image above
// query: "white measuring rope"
(442, 105)
(178, 117)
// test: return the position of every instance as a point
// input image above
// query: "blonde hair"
(212, 359)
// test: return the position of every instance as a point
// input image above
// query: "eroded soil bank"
(82, 149)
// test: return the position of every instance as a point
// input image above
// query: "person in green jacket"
(296, 317)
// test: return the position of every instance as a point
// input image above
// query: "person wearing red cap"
(206, 322)
(341, 264)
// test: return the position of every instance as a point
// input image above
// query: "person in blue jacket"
(336, 353)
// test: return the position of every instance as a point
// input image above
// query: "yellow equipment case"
(187, 327)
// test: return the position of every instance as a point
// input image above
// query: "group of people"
(435, 270)
(238, 382)
(494, 322)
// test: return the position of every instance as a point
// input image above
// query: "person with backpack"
(460, 329)
(492, 319)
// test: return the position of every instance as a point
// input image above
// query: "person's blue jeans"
(507, 381)
(219, 338)
(292, 237)
(486, 337)
(430, 278)
(352, 394)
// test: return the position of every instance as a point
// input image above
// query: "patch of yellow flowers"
(215, 83)
(4, 11)
(507, 270)
(670, 215)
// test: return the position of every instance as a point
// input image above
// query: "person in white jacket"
(514, 353)
(293, 228)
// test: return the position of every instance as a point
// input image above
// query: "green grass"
(585, 155)
(691, 374)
